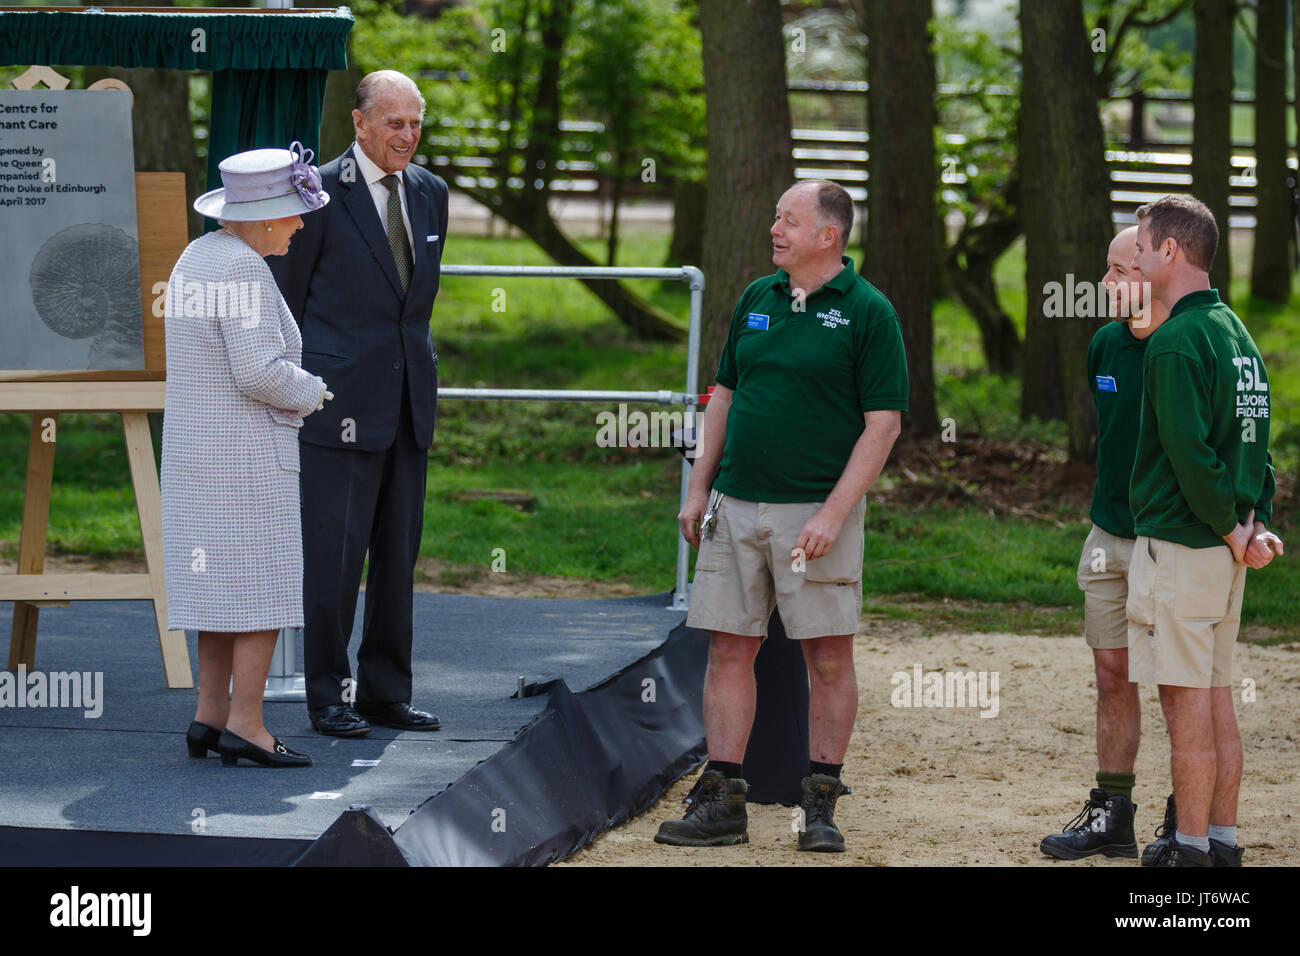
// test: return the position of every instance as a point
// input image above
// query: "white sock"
(1226, 835)
(1201, 843)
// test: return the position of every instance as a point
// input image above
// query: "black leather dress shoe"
(399, 715)
(201, 738)
(339, 720)
(233, 747)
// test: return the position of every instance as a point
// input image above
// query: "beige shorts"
(745, 569)
(1103, 578)
(1184, 611)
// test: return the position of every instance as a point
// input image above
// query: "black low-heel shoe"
(201, 738)
(232, 748)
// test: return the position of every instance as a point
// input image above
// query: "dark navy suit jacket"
(359, 332)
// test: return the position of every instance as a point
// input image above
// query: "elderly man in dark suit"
(361, 280)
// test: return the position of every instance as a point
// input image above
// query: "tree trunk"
(615, 200)
(1212, 125)
(750, 155)
(969, 266)
(1137, 125)
(1065, 201)
(899, 243)
(687, 246)
(1270, 270)
(1295, 62)
(527, 209)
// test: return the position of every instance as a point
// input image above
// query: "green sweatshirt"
(1202, 455)
(1115, 377)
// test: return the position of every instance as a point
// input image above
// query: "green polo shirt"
(1202, 457)
(802, 374)
(1115, 377)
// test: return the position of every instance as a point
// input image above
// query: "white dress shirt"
(372, 174)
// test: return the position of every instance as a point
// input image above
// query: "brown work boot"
(819, 834)
(717, 815)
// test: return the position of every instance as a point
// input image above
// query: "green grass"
(610, 514)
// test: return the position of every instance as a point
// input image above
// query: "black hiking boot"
(716, 817)
(1224, 855)
(1180, 854)
(819, 833)
(1153, 853)
(1104, 825)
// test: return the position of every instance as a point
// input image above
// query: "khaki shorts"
(1103, 578)
(1184, 611)
(745, 569)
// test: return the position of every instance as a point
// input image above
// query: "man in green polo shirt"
(1202, 479)
(810, 388)
(1105, 825)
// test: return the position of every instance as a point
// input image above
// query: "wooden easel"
(160, 215)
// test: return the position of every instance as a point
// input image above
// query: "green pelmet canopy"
(268, 66)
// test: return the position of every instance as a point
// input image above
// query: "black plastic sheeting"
(776, 760)
(35, 846)
(358, 838)
(589, 762)
(586, 763)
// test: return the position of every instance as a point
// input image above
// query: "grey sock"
(1201, 843)
(1226, 835)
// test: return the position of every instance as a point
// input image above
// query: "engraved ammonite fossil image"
(86, 281)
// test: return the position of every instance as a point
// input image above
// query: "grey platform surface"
(127, 769)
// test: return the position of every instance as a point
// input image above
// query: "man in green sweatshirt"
(1202, 479)
(1105, 825)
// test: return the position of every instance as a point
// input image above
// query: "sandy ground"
(942, 785)
(945, 786)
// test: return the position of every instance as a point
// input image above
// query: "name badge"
(1106, 383)
(756, 321)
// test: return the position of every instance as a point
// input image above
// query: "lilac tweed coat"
(232, 530)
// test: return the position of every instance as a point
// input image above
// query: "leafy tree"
(979, 174)
(979, 71)
(504, 72)
(636, 69)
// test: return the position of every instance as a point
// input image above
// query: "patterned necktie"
(397, 239)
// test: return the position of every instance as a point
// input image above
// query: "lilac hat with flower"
(265, 184)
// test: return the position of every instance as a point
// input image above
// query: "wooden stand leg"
(148, 503)
(31, 542)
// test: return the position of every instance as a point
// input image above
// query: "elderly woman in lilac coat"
(236, 396)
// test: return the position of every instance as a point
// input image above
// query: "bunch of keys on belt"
(709, 523)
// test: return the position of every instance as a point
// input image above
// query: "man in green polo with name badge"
(1201, 495)
(1105, 825)
(810, 389)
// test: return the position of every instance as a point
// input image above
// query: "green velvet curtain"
(258, 109)
(268, 68)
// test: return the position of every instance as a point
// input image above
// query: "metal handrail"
(689, 398)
